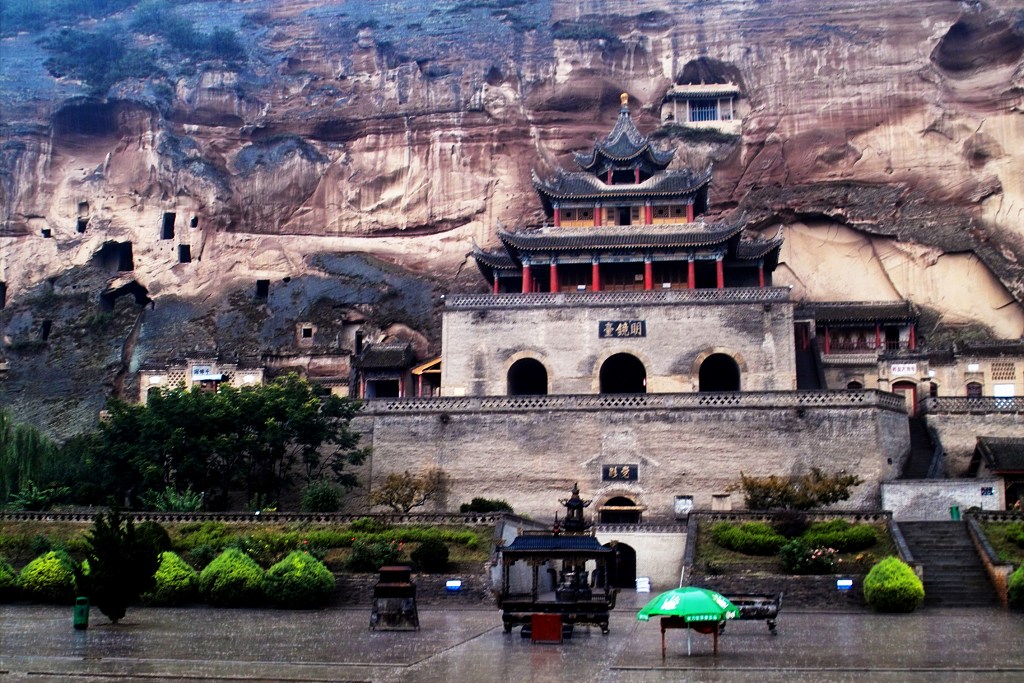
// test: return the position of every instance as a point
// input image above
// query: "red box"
(546, 628)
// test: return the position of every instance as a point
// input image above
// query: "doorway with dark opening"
(621, 566)
(623, 374)
(527, 377)
(719, 372)
(620, 510)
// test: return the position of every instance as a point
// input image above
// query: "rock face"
(882, 137)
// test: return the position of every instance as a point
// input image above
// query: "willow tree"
(24, 455)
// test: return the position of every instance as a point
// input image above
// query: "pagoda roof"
(858, 312)
(624, 144)
(580, 185)
(1002, 454)
(757, 248)
(387, 356)
(698, 234)
(544, 543)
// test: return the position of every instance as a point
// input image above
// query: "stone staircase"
(953, 573)
(921, 451)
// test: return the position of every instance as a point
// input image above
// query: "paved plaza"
(459, 644)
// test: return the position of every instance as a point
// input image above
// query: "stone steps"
(921, 451)
(953, 572)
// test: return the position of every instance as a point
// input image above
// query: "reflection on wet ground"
(460, 644)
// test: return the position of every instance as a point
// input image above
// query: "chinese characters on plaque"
(620, 472)
(621, 328)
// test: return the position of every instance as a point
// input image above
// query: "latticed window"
(1003, 371)
(703, 110)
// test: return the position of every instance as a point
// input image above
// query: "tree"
(24, 452)
(121, 564)
(403, 492)
(808, 491)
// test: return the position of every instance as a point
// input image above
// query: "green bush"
(892, 586)
(154, 535)
(321, 496)
(369, 556)
(485, 505)
(431, 556)
(800, 557)
(233, 579)
(50, 578)
(750, 538)
(195, 534)
(176, 582)
(841, 535)
(8, 582)
(369, 525)
(202, 555)
(1015, 533)
(299, 581)
(1016, 588)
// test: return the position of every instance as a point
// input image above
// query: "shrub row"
(750, 538)
(759, 538)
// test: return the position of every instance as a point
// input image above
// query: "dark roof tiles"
(580, 185)
(1002, 454)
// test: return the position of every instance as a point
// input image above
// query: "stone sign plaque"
(620, 472)
(617, 329)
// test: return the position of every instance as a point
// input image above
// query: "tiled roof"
(625, 142)
(749, 250)
(696, 92)
(555, 543)
(580, 185)
(1002, 454)
(1013, 347)
(385, 356)
(856, 312)
(620, 236)
(498, 259)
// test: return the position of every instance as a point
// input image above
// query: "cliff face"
(883, 138)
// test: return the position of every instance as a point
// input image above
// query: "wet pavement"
(458, 644)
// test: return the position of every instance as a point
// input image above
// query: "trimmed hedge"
(750, 538)
(841, 535)
(233, 579)
(8, 582)
(1016, 588)
(177, 582)
(50, 578)
(369, 556)
(892, 586)
(431, 557)
(299, 581)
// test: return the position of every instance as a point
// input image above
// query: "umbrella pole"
(716, 639)
(688, 641)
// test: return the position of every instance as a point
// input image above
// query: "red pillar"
(495, 283)
(648, 275)
(554, 277)
(689, 213)
(636, 176)
(648, 214)
(878, 336)
(595, 277)
(527, 283)
(828, 346)
(558, 217)
(760, 275)
(419, 386)
(913, 337)
(720, 274)
(598, 210)
(362, 387)
(609, 181)
(690, 275)
(401, 386)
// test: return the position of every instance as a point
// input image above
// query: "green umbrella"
(691, 604)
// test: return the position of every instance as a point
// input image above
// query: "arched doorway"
(623, 374)
(620, 510)
(908, 390)
(621, 566)
(854, 385)
(527, 377)
(719, 372)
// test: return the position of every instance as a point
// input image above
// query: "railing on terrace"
(724, 400)
(425, 518)
(835, 346)
(971, 404)
(738, 295)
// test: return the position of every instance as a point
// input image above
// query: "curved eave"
(490, 261)
(657, 158)
(644, 189)
(594, 240)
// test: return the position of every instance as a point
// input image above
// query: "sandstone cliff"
(884, 138)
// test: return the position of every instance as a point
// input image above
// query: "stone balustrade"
(740, 295)
(972, 404)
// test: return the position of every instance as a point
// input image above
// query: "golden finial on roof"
(624, 98)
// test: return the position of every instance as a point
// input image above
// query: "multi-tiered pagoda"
(625, 221)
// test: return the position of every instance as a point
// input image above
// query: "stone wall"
(530, 450)
(959, 433)
(802, 592)
(931, 499)
(484, 335)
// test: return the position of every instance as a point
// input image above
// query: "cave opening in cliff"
(194, 222)
(90, 119)
(167, 229)
(115, 256)
(82, 224)
(262, 289)
(44, 331)
(47, 233)
(3, 295)
(133, 289)
(184, 253)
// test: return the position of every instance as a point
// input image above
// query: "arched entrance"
(623, 374)
(621, 566)
(908, 390)
(527, 377)
(719, 372)
(620, 510)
